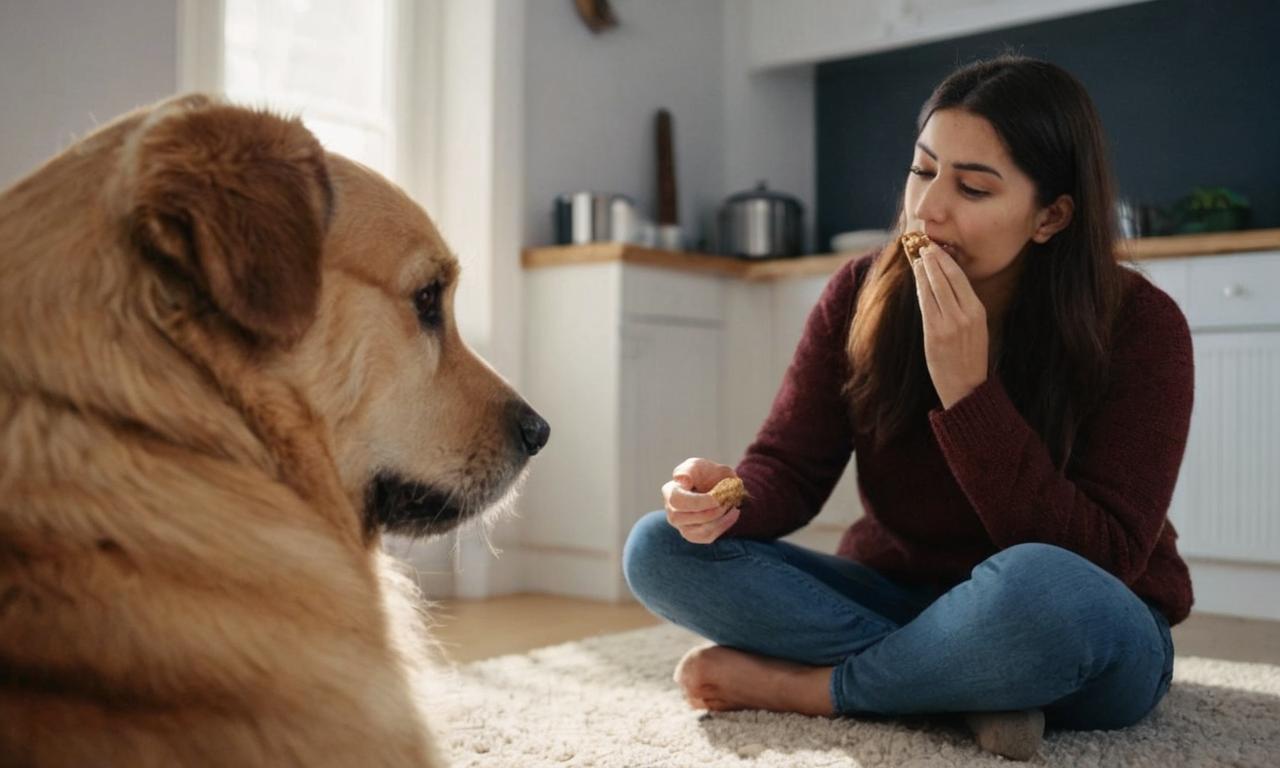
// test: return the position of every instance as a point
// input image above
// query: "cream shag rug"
(609, 701)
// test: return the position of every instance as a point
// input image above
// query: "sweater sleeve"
(805, 442)
(1111, 503)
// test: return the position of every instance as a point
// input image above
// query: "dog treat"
(729, 492)
(912, 242)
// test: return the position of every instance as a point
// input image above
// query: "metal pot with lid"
(760, 223)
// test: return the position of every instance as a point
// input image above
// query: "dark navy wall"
(1188, 91)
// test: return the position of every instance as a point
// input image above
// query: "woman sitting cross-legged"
(1017, 404)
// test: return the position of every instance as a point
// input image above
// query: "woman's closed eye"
(966, 189)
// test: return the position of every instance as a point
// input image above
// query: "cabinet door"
(670, 403)
(1227, 503)
(793, 302)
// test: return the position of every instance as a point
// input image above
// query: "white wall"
(591, 99)
(478, 206)
(769, 121)
(67, 65)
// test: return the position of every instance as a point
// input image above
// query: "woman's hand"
(690, 509)
(955, 325)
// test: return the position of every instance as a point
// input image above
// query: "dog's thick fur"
(227, 364)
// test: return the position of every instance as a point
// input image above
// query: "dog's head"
(323, 275)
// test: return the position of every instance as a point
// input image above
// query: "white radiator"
(1227, 504)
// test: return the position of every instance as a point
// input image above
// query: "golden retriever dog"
(228, 364)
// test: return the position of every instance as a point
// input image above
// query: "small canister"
(592, 217)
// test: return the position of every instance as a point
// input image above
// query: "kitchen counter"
(825, 264)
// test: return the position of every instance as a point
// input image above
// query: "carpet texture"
(609, 701)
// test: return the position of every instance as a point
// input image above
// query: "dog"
(228, 365)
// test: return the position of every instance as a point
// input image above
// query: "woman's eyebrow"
(962, 166)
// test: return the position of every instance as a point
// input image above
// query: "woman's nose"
(931, 204)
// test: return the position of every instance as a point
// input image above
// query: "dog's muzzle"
(412, 509)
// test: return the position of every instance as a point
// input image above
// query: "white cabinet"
(763, 324)
(638, 368)
(808, 31)
(624, 362)
(1227, 503)
(669, 400)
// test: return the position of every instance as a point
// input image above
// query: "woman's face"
(966, 194)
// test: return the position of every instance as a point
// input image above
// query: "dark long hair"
(1056, 334)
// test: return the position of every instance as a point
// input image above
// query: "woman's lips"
(954, 251)
(914, 240)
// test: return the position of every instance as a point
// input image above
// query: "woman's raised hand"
(955, 325)
(690, 509)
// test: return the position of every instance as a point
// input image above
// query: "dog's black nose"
(534, 430)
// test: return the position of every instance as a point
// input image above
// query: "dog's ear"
(236, 202)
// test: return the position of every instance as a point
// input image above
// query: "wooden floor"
(478, 629)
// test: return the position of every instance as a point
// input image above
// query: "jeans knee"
(648, 548)
(1039, 563)
(1056, 585)
(1042, 580)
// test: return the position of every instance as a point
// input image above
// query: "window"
(343, 66)
(330, 61)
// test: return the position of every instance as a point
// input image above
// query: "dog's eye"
(427, 304)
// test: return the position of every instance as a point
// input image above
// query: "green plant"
(1214, 199)
(1211, 209)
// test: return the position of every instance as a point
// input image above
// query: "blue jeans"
(1035, 626)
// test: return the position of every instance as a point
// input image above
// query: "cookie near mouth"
(912, 242)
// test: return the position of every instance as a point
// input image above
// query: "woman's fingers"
(697, 516)
(940, 281)
(681, 500)
(696, 473)
(959, 281)
(924, 294)
(705, 533)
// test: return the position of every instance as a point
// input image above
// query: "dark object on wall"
(760, 223)
(669, 234)
(596, 14)
(668, 209)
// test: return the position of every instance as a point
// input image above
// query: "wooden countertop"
(825, 264)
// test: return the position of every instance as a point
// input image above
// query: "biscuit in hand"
(729, 492)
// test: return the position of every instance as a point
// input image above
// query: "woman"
(1017, 404)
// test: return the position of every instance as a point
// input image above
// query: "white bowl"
(860, 240)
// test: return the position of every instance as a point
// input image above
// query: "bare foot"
(718, 678)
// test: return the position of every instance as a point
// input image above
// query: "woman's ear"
(237, 202)
(1053, 218)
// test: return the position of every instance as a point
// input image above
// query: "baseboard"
(572, 572)
(505, 572)
(1234, 589)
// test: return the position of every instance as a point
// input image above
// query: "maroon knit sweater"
(976, 478)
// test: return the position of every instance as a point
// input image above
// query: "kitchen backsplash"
(1188, 91)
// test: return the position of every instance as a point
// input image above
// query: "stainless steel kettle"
(760, 223)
